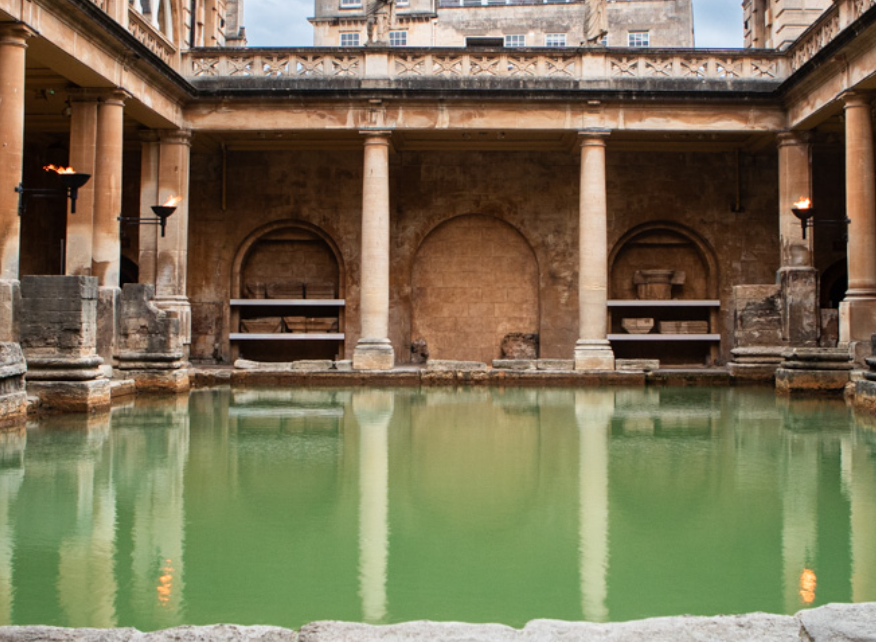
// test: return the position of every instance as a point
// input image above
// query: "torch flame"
(803, 204)
(172, 201)
(60, 169)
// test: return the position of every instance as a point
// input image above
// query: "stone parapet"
(150, 342)
(830, 623)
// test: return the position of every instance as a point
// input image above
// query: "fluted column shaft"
(593, 351)
(83, 158)
(374, 351)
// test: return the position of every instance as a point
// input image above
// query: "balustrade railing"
(409, 63)
(146, 33)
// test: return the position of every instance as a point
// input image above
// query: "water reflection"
(286, 506)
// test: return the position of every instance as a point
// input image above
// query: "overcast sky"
(283, 23)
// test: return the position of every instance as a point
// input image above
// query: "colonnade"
(93, 245)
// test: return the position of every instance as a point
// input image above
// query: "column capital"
(595, 136)
(148, 136)
(115, 96)
(792, 137)
(856, 99)
(377, 136)
(15, 34)
(85, 94)
(175, 137)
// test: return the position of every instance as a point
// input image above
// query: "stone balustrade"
(576, 67)
(150, 36)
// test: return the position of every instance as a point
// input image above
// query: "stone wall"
(534, 193)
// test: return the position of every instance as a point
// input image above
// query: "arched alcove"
(685, 317)
(287, 280)
(475, 279)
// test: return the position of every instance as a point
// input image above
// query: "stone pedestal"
(857, 319)
(757, 332)
(865, 389)
(814, 371)
(107, 326)
(373, 354)
(13, 397)
(58, 326)
(150, 343)
(594, 354)
(755, 363)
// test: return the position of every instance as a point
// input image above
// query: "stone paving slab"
(831, 623)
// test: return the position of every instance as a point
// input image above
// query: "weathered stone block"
(839, 622)
(58, 315)
(520, 345)
(757, 315)
(419, 351)
(799, 293)
(13, 397)
(555, 364)
(829, 328)
(811, 381)
(312, 365)
(373, 354)
(514, 364)
(637, 364)
(10, 306)
(446, 365)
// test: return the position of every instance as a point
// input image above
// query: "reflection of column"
(12, 443)
(799, 520)
(159, 519)
(373, 410)
(13, 39)
(593, 412)
(374, 351)
(862, 500)
(858, 309)
(86, 566)
(592, 350)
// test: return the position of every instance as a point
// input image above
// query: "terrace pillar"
(106, 244)
(148, 234)
(172, 249)
(593, 351)
(13, 42)
(796, 276)
(374, 350)
(83, 158)
(858, 310)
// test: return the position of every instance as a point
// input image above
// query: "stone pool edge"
(829, 623)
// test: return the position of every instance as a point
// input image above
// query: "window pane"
(555, 40)
(398, 38)
(349, 39)
(516, 40)
(639, 39)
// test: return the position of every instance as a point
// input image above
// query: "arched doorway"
(475, 279)
(287, 295)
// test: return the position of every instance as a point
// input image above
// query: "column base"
(857, 323)
(182, 309)
(159, 381)
(593, 355)
(72, 396)
(373, 354)
(10, 303)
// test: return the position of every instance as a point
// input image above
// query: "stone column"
(374, 351)
(593, 351)
(172, 249)
(83, 158)
(13, 42)
(858, 310)
(796, 276)
(148, 234)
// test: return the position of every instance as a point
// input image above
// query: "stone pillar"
(374, 351)
(13, 42)
(172, 256)
(593, 351)
(796, 276)
(58, 337)
(858, 310)
(83, 158)
(373, 410)
(148, 234)
(106, 245)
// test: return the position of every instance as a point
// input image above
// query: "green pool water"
(282, 507)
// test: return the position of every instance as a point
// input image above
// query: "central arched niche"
(475, 279)
(286, 261)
